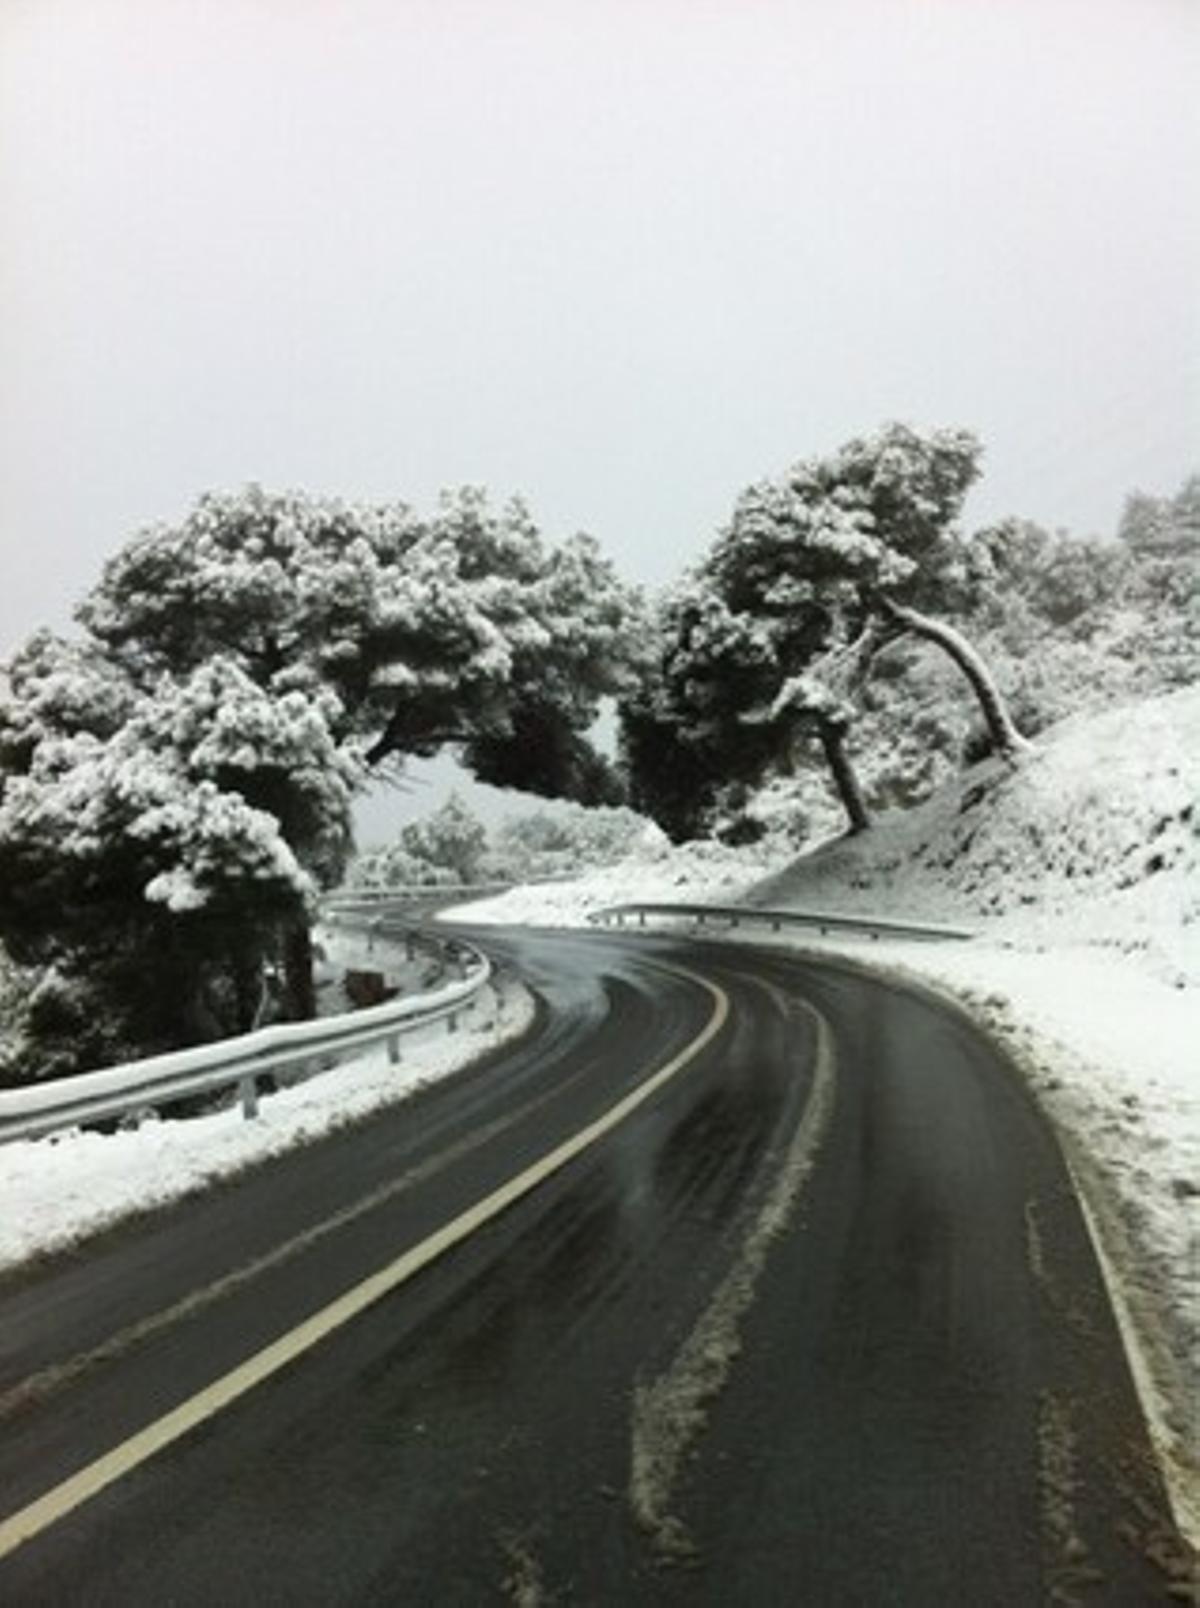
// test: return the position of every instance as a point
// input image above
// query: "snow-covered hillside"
(1080, 872)
(1093, 840)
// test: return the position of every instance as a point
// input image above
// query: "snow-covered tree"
(1163, 525)
(860, 546)
(426, 631)
(689, 728)
(150, 869)
(451, 845)
(61, 689)
(452, 838)
(569, 838)
(393, 867)
(814, 577)
(188, 766)
(1076, 622)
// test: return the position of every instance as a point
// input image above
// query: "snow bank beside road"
(54, 1192)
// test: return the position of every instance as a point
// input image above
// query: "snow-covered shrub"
(570, 838)
(451, 845)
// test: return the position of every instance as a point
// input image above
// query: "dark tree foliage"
(541, 753)
(685, 737)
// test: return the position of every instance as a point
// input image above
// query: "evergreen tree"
(176, 786)
(451, 839)
(814, 577)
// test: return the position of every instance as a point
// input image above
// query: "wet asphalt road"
(817, 1323)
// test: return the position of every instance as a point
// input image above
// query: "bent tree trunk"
(833, 741)
(1006, 739)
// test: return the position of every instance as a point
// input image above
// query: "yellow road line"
(80, 1487)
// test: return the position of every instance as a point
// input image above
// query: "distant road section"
(742, 1280)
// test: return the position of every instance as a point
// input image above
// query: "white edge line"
(1179, 1482)
(1178, 1478)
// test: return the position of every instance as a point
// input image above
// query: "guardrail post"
(452, 1022)
(248, 1090)
(775, 925)
(641, 918)
(393, 1048)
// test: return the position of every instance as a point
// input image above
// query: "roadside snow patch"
(55, 1192)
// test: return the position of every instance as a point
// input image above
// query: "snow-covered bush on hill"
(1067, 624)
(452, 845)
(566, 839)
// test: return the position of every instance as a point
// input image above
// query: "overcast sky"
(621, 256)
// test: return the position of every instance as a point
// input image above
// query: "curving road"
(739, 1280)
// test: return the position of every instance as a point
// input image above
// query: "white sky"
(622, 256)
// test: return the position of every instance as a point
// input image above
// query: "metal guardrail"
(350, 899)
(290, 1047)
(750, 915)
(374, 927)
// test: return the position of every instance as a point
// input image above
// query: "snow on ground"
(659, 874)
(1092, 841)
(56, 1191)
(340, 947)
(1080, 872)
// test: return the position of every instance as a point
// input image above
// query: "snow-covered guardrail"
(351, 899)
(288, 1047)
(751, 915)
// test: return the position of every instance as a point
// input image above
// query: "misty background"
(619, 256)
